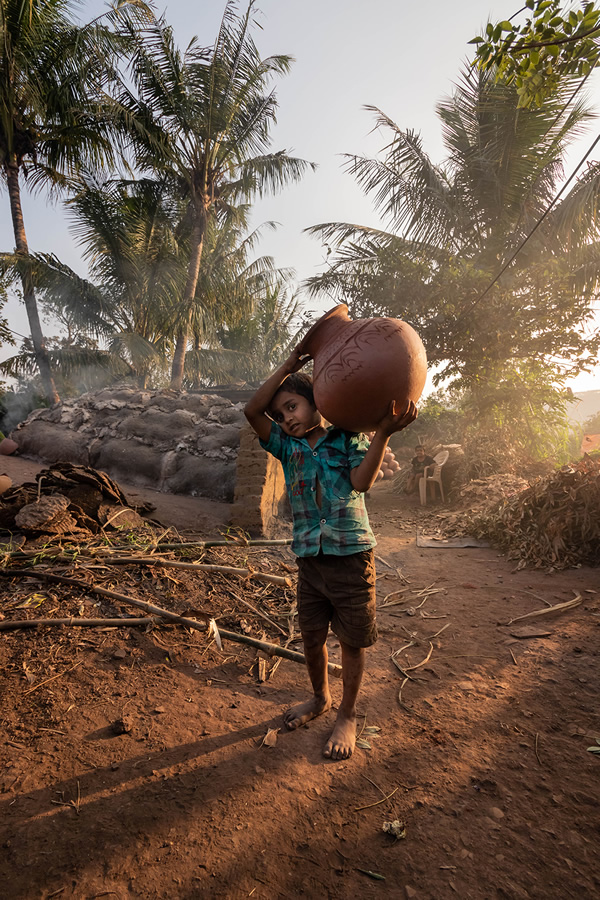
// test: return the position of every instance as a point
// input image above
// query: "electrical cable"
(531, 233)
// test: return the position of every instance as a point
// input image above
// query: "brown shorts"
(338, 590)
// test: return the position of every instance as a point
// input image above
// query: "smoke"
(17, 402)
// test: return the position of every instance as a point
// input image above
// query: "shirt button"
(323, 521)
(314, 452)
(312, 489)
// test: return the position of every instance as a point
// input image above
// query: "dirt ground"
(484, 761)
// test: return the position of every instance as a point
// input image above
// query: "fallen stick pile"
(554, 523)
(89, 568)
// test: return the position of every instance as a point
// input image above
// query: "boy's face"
(294, 414)
(420, 452)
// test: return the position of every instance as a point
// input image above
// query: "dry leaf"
(34, 600)
(396, 828)
(270, 738)
(213, 632)
(547, 610)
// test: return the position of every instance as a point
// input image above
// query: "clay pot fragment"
(8, 446)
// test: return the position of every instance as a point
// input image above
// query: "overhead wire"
(514, 255)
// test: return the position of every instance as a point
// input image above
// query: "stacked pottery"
(361, 366)
(389, 465)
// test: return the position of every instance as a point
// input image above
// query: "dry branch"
(280, 580)
(258, 613)
(559, 607)
(555, 522)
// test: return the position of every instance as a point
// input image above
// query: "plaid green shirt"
(341, 525)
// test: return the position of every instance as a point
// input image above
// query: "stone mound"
(177, 443)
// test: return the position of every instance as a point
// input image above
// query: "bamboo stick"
(271, 649)
(182, 545)
(75, 620)
(217, 543)
(274, 650)
(281, 580)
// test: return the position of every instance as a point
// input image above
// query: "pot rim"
(340, 309)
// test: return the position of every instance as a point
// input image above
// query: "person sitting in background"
(419, 464)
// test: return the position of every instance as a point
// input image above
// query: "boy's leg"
(315, 651)
(343, 738)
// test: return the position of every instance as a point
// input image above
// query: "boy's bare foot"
(343, 738)
(304, 712)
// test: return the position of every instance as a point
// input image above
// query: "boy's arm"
(256, 407)
(363, 475)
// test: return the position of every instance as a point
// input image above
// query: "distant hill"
(586, 405)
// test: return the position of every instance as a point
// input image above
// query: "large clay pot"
(362, 365)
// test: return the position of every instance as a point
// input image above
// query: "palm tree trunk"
(37, 337)
(197, 242)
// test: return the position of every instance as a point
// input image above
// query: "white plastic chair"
(434, 478)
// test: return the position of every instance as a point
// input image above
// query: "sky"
(402, 57)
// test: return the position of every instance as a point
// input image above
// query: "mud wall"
(173, 442)
(259, 506)
(179, 443)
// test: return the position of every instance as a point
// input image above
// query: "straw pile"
(555, 523)
(478, 497)
(489, 491)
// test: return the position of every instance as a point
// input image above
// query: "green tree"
(52, 72)
(592, 424)
(453, 227)
(128, 235)
(204, 118)
(125, 319)
(262, 340)
(6, 336)
(230, 292)
(540, 53)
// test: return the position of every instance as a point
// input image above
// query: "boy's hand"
(296, 361)
(393, 421)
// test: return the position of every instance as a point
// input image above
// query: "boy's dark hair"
(296, 383)
(420, 447)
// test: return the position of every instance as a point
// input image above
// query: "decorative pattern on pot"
(361, 366)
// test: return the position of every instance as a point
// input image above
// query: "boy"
(327, 471)
(419, 463)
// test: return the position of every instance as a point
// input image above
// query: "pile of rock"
(174, 442)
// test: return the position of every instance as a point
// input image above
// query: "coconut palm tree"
(124, 321)
(204, 118)
(127, 232)
(51, 69)
(262, 340)
(448, 230)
